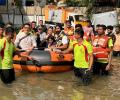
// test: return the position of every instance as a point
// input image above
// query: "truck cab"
(77, 19)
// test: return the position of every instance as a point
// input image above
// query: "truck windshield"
(79, 17)
(71, 18)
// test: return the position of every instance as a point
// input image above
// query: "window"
(29, 3)
(2, 2)
(71, 18)
(79, 17)
(106, 3)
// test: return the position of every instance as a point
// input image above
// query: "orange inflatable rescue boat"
(43, 61)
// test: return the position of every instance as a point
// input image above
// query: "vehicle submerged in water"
(43, 61)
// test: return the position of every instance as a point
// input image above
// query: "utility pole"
(41, 4)
(8, 10)
(14, 13)
(35, 10)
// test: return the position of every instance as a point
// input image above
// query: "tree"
(90, 8)
(82, 3)
(50, 1)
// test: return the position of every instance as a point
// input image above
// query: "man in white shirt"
(24, 39)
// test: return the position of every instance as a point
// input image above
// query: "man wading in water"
(1, 37)
(7, 49)
(102, 51)
(83, 57)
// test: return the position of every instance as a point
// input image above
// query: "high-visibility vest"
(85, 48)
(100, 48)
(2, 50)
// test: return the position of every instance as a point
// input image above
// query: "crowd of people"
(92, 48)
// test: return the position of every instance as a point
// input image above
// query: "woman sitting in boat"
(49, 37)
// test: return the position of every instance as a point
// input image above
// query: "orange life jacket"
(100, 48)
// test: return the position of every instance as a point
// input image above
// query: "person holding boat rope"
(7, 48)
(83, 56)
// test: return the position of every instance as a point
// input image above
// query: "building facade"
(34, 9)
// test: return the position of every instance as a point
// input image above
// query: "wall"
(36, 11)
(18, 19)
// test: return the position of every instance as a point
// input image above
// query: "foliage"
(77, 3)
(90, 9)
(18, 3)
(50, 1)
(82, 3)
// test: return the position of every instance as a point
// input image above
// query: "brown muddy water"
(62, 86)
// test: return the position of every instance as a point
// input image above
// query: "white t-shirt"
(42, 36)
(64, 40)
(27, 42)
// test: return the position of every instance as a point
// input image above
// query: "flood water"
(62, 86)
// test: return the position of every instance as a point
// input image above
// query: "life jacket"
(3, 49)
(85, 48)
(88, 36)
(100, 48)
